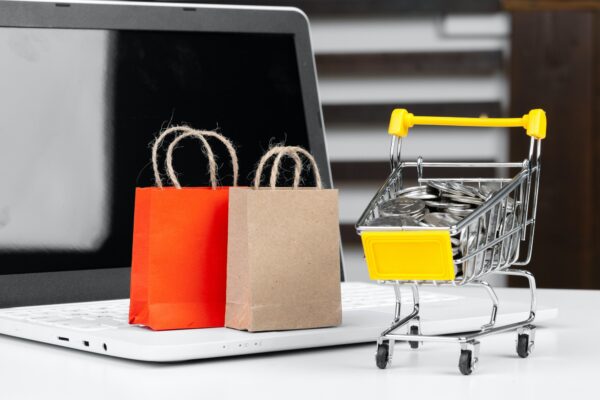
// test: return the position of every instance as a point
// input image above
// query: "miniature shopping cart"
(495, 236)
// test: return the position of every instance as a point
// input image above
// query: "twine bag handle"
(212, 165)
(156, 145)
(282, 152)
(235, 165)
(187, 132)
(293, 152)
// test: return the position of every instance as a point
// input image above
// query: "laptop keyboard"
(81, 316)
(114, 314)
(356, 295)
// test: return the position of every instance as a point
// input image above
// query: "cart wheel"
(382, 358)
(523, 349)
(525, 340)
(464, 362)
(414, 330)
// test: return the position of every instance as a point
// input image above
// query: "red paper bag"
(179, 262)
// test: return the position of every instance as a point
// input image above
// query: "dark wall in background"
(555, 65)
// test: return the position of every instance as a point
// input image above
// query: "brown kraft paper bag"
(283, 258)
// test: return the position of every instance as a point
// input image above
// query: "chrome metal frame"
(487, 254)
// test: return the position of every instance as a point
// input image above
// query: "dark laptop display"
(84, 106)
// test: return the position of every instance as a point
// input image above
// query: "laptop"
(84, 88)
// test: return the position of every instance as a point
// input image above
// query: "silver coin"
(452, 188)
(510, 245)
(418, 217)
(464, 189)
(464, 199)
(393, 221)
(441, 186)
(492, 222)
(507, 224)
(505, 207)
(436, 203)
(455, 248)
(467, 244)
(385, 221)
(439, 219)
(459, 212)
(487, 190)
(402, 206)
(418, 192)
(509, 204)
(411, 222)
(444, 204)
(459, 206)
(413, 189)
(420, 195)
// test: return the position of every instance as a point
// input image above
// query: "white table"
(565, 363)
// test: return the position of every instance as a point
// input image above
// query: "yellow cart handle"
(534, 122)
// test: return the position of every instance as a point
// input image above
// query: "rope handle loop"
(293, 152)
(187, 132)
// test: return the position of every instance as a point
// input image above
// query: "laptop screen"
(80, 107)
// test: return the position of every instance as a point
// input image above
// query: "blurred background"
(467, 58)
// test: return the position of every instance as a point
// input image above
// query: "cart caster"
(469, 355)
(464, 362)
(383, 357)
(525, 340)
(414, 330)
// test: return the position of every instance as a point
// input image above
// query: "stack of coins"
(444, 204)
(448, 201)
(403, 206)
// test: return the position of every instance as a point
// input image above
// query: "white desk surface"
(565, 363)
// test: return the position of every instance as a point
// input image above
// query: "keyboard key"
(112, 323)
(83, 316)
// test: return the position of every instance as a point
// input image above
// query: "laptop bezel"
(113, 283)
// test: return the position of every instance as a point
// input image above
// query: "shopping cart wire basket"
(495, 234)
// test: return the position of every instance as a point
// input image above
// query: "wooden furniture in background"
(555, 64)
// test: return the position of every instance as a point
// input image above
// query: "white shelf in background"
(396, 34)
(476, 25)
(411, 89)
(355, 143)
